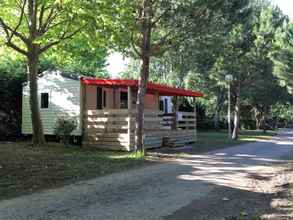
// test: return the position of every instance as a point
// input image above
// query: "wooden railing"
(186, 120)
(181, 120)
(115, 128)
(119, 120)
(114, 121)
(169, 121)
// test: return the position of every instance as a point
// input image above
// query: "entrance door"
(99, 98)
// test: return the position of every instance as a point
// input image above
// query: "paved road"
(162, 191)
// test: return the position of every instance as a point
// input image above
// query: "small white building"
(59, 96)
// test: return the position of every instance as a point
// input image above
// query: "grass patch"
(213, 140)
(24, 169)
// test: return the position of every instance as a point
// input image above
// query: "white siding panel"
(64, 101)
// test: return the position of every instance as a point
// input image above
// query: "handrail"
(155, 120)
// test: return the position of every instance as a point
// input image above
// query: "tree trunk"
(219, 104)
(257, 124)
(263, 123)
(257, 115)
(38, 134)
(175, 111)
(216, 119)
(236, 114)
(144, 74)
(143, 79)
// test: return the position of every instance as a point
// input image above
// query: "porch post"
(195, 119)
(129, 106)
(157, 96)
(82, 107)
(114, 98)
(176, 106)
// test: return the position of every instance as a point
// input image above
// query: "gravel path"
(191, 187)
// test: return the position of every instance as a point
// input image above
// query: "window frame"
(42, 103)
(104, 99)
(124, 103)
(99, 99)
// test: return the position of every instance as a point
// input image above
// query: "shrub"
(63, 129)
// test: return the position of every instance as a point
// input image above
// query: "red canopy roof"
(163, 90)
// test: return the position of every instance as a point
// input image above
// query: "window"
(44, 100)
(161, 105)
(166, 106)
(123, 100)
(104, 99)
(99, 97)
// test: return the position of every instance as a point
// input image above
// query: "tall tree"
(283, 56)
(43, 24)
(162, 25)
(247, 53)
(40, 26)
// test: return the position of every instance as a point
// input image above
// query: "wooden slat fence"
(114, 129)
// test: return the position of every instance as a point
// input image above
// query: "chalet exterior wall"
(113, 98)
(107, 121)
(64, 101)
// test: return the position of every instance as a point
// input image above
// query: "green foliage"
(283, 111)
(12, 75)
(283, 56)
(12, 68)
(137, 155)
(253, 42)
(64, 128)
(79, 56)
(78, 33)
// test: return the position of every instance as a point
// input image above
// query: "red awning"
(163, 90)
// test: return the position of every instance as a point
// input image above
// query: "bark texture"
(236, 114)
(33, 61)
(144, 73)
(218, 109)
(37, 126)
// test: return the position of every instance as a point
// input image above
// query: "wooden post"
(157, 97)
(195, 119)
(82, 108)
(114, 97)
(129, 106)
(176, 107)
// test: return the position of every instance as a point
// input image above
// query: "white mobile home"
(59, 96)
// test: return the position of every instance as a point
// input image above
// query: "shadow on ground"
(242, 182)
(254, 185)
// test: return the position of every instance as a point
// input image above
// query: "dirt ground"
(245, 182)
(25, 169)
(270, 198)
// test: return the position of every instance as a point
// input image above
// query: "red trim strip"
(151, 87)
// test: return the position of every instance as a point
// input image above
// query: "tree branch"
(20, 19)
(18, 49)
(51, 17)
(63, 37)
(153, 24)
(41, 16)
(58, 23)
(134, 46)
(10, 32)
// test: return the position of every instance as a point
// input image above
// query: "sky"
(117, 63)
(286, 6)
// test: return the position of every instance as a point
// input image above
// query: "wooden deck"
(114, 129)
